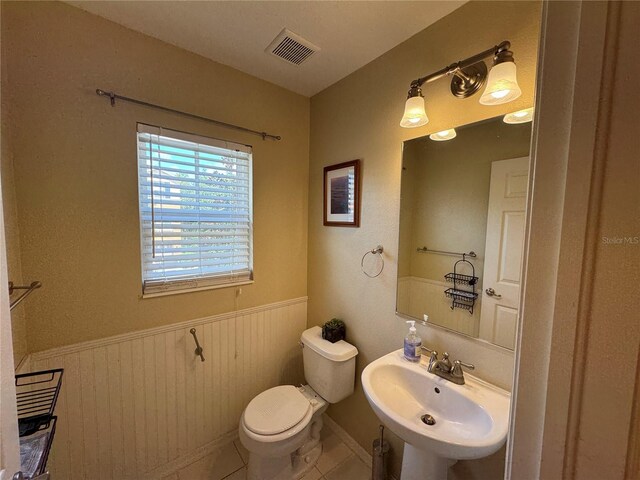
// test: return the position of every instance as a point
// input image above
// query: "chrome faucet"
(445, 369)
(442, 366)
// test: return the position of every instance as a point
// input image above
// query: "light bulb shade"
(521, 116)
(414, 114)
(443, 135)
(502, 86)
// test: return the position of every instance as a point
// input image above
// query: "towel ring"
(376, 251)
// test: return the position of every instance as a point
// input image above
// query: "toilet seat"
(276, 410)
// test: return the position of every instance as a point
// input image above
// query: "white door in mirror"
(503, 253)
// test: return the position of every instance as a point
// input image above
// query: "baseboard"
(181, 462)
(348, 440)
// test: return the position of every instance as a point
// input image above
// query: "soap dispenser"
(412, 343)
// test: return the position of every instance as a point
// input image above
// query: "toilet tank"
(328, 367)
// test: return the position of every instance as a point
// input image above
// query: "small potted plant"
(334, 330)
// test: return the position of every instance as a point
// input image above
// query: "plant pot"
(333, 334)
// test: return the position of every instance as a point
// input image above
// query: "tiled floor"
(337, 462)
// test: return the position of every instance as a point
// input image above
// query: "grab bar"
(442, 252)
(198, 347)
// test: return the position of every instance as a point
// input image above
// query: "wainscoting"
(417, 296)
(139, 405)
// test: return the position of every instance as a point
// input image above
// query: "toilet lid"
(276, 410)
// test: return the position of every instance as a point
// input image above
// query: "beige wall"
(358, 118)
(76, 178)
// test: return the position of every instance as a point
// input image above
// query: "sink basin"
(471, 420)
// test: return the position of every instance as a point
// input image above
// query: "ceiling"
(350, 34)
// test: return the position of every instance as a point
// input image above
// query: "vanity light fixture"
(521, 116)
(502, 85)
(414, 113)
(468, 76)
(444, 135)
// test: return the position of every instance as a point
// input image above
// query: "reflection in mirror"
(463, 195)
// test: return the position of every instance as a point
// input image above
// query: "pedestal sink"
(440, 422)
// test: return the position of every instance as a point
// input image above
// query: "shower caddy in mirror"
(460, 296)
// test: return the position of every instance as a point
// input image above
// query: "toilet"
(281, 426)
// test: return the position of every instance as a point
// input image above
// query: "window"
(195, 198)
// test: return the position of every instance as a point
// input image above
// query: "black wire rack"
(459, 295)
(37, 394)
(461, 299)
(461, 279)
(35, 449)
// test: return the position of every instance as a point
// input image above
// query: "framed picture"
(342, 194)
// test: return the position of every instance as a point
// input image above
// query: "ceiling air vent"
(291, 47)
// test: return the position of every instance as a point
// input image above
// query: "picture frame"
(342, 194)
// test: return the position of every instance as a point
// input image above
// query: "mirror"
(462, 219)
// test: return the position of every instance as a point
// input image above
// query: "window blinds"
(195, 199)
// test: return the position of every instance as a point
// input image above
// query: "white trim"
(193, 456)
(196, 289)
(65, 350)
(179, 463)
(348, 440)
(560, 208)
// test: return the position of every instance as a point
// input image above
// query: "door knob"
(492, 293)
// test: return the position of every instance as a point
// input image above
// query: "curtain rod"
(113, 96)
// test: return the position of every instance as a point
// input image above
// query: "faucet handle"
(433, 355)
(445, 363)
(470, 366)
(457, 367)
(428, 349)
